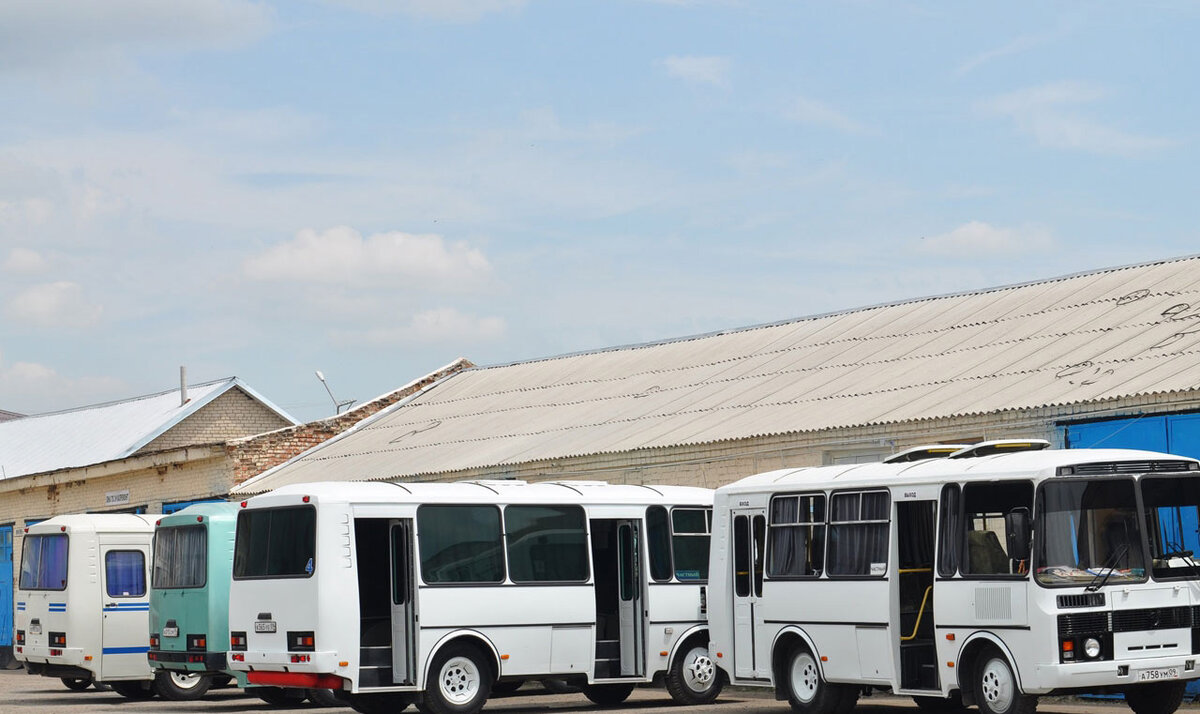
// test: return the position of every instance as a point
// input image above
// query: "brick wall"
(232, 415)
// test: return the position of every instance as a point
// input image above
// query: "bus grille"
(1081, 600)
(1127, 467)
(1154, 618)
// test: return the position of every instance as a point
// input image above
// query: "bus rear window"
(275, 543)
(180, 557)
(44, 562)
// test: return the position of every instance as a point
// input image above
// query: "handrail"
(920, 613)
(905, 571)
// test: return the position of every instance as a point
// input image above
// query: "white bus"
(392, 594)
(985, 578)
(82, 601)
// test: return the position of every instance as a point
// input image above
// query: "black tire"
(849, 698)
(323, 698)
(693, 678)
(180, 687)
(376, 703)
(952, 703)
(134, 690)
(279, 696)
(221, 680)
(807, 691)
(506, 687)
(996, 688)
(1156, 698)
(76, 684)
(560, 686)
(460, 681)
(607, 695)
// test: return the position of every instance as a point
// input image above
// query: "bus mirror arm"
(1019, 531)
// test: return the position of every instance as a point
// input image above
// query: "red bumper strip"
(308, 680)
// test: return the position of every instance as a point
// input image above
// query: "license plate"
(1154, 675)
(268, 626)
(35, 629)
(170, 632)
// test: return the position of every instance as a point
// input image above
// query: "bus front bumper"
(1113, 673)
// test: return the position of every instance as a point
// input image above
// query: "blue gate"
(6, 593)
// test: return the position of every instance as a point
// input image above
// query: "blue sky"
(375, 188)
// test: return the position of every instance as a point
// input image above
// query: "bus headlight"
(1091, 647)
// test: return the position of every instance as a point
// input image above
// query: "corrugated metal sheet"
(104, 432)
(1075, 339)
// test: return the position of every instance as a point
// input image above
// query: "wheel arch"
(973, 648)
(679, 648)
(470, 637)
(785, 640)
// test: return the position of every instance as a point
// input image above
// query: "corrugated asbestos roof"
(1077, 339)
(104, 432)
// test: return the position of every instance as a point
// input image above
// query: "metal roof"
(103, 432)
(1070, 340)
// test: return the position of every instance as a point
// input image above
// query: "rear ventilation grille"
(1127, 467)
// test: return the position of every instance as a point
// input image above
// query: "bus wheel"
(377, 703)
(76, 684)
(461, 681)
(952, 703)
(134, 690)
(694, 678)
(607, 695)
(279, 696)
(180, 686)
(996, 690)
(323, 698)
(806, 691)
(1157, 698)
(509, 686)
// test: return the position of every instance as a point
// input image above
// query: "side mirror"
(1019, 530)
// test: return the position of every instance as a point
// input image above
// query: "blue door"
(6, 587)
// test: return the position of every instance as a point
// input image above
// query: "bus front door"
(620, 602)
(404, 633)
(749, 532)
(629, 567)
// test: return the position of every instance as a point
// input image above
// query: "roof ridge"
(115, 402)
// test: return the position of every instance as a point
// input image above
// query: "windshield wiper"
(1107, 569)
(1185, 555)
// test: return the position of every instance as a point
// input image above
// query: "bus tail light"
(237, 641)
(197, 643)
(301, 641)
(20, 637)
(58, 639)
(154, 641)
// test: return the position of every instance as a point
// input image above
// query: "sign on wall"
(117, 498)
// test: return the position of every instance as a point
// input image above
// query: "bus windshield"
(1173, 519)
(44, 562)
(180, 557)
(275, 543)
(1088, 533)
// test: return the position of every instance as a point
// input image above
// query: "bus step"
(608, 649)
(375, 677)
(375, 656)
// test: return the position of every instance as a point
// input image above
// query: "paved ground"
(20, 692)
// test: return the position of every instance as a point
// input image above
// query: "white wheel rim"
(997, 686)
(459, 680)
(699, 672)
(185, 681)
(806, 679)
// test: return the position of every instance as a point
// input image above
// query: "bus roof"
(1029, 464)
(95, 523)
(557, 492)
(214, 511)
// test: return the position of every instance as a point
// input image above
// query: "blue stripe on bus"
(126, 609)
(125, 650)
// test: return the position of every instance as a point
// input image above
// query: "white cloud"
(1048, 113)
(1016, 46)
(445, 324)
(699, 70)
(976, 238)
(37, 34)
(33, 388)
(342, 255)
(813, 111)
(444, 10)
(60, 304)
(24, 260)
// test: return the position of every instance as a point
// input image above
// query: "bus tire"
(508, 686)
(1156, 698)
(143, 689)
(179, 686)
(460, 681)
(996, 688)
(607, 695)
(693, 677)
(807, 691)
(76, 684)
(952, 703)
(376, 703)
(323, 698)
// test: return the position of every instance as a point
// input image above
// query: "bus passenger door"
(404, 631)
(749, 532)
(630, 607)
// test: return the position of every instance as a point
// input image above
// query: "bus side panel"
(519, 621)
(674, 608)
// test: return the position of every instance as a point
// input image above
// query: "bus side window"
(984, 507)
(949, 531)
